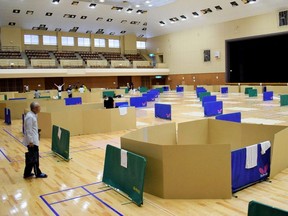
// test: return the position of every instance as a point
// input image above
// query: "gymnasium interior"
(148, 107)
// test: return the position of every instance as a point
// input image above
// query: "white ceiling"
(157, 10)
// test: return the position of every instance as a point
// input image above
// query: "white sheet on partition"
(196, 114)
(240, 109)
(261, 121)
(251, 156)
(122, 110)
(124, 159)
(59, 133)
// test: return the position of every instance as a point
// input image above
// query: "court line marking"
(85, 189)
(9, 133)
(5, 156)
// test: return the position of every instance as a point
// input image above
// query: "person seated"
(37, 94)
(81, 89)
(108, 102)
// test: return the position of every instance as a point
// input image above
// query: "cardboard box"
(198, 164)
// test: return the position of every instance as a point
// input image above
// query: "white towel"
(265, 146)
(251, 156)
(123, 110)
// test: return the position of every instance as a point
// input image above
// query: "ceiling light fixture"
(92, 5)
(129, 10)
(101, 1)
(162, 23)
(183, 17)
(55, 1)
(137, 6)
(195, 14)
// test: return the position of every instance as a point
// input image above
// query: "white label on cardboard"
(59, 133)
(124, 159)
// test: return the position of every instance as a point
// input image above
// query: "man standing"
(31, 140)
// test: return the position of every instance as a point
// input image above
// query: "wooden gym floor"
(75, 188)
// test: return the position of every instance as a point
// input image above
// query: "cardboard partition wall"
(87, 121)
(198, 164)
(89, 97)
(278, 89)
(231, 88)
(187, 87)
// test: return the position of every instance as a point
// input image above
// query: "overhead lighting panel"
(55, 1)
(162, 23)
(195, 14)
(92, 5)
(183, 17)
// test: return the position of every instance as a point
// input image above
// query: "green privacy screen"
(204, 94)
(109, 93)
(60, 142)
(259, 209)
(252, 93)
(283, 100)
(125, 171)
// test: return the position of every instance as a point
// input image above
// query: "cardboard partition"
(86, 121)
(234, 117)
(27, 95)
(267, 96)
(8, 94)
(167, 132)
(2, 97)
(209, 88)
(187, 87)
(197, 171)
(278, 89)
(279, 152)
(204, 146)
(232, 88)
(89, 97)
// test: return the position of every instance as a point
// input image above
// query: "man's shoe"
(42, 175)
(28, 176)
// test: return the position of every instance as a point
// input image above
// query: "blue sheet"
(224, 90)
(199, 90)
(179, 89)
(165, 88)
(208, 99)
(7, 116)
(213, 108)
(73, 101)
(233, 117)
(150, 96)
(121, 104)
(138, 101)
(242, 177)
(267, 96)
(163, 111)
